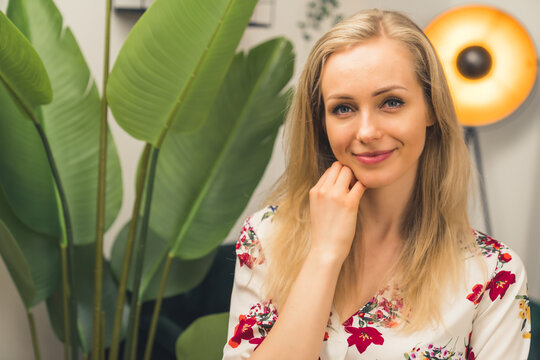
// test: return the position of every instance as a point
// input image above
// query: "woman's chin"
(374, 182)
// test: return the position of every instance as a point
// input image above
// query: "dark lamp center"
(474, 62)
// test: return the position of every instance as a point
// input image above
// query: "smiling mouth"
(374, 157)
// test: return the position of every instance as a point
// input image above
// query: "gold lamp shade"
(489, 60)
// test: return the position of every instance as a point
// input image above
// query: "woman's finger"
(344, 178)
(357, 191)
(330, 175)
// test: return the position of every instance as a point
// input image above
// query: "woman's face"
(375, 112)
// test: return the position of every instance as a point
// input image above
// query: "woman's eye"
(341, 109)
(393, 103)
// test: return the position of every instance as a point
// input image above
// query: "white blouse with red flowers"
(486, 320)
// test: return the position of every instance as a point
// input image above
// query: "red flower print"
(362, 337)
(349, 321)
(256, 341)
(500, 283)
(326, 336)
(505, 257)
(477, 293)
(248, 248)
(245, 259)
(469, 354)
(385, 305)
(492, 242)
(242, 331)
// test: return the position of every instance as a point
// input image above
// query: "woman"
(370, 254)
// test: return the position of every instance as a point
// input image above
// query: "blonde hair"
(435, 226)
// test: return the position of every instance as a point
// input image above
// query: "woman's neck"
(381, 212)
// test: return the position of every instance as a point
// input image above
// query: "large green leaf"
(24, 171)
(25, 174)
(21, 69)
(84, 292)
(204, 339)
(205, 178)
(32, 259)
(72, 124)
(183, 275)
(170, 67)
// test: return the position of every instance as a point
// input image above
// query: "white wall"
(510, 149)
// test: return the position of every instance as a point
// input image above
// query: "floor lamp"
(491, 65)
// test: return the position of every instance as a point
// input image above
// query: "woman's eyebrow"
(339, 97)
(375, 93)
(387, 89)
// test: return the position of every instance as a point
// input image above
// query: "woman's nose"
(368, 130)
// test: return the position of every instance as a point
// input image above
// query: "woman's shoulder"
(249, 247)
(504, 266)
(262, 217)
(495, 252)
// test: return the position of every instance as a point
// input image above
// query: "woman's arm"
(299, 330)
(502, 327)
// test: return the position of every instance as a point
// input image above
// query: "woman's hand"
(333, 204)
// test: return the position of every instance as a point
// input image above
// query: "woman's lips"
(374, 157)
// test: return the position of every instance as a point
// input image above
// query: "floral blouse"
(487, 320)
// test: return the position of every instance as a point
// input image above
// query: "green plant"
(67, 138)
(203, 331)
(172, 86)
(25, 81)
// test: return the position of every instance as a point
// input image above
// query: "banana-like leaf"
(32, 259)
(170, 67)
(205, 178)
(19, 18)
(21, 69)
(72, 124)
(25, 174)
(184, 275)
(204, 339)
(84, 292)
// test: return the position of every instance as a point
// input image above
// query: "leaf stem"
(100, 218)
(70, 244)
(115, 338)
(141, 245)
(33, 332)
(152, 271)
(157, 307)
(102, 337)
(65, 299)
(136, 328)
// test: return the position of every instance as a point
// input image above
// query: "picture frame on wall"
(263, 15)
(132, 5)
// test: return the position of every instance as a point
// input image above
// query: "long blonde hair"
(435, 226)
